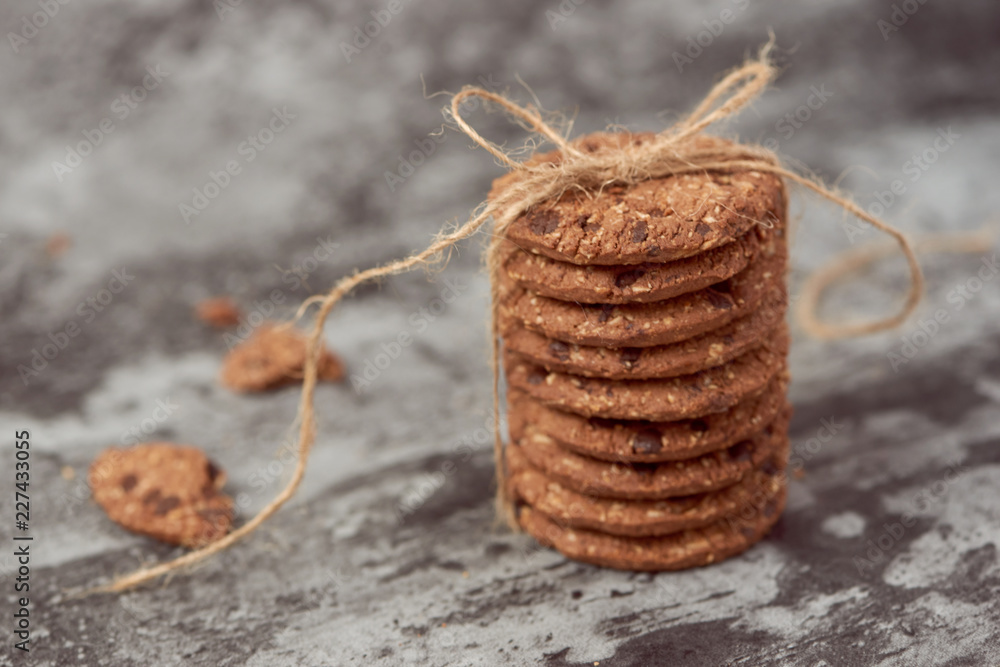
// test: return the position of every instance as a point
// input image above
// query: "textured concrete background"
(337, 578)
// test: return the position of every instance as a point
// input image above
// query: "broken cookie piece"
(219, 312)
(274, 356)
(169, 492)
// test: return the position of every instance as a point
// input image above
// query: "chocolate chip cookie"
(652, 481)
(688, 548)
(683, 397)
(169, 492)
(274, 356)
(657, 220)
(688, 356)
(630, 283)
(640, 518)
(648, 441)
(648, 324)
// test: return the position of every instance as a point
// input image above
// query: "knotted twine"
(670, 152)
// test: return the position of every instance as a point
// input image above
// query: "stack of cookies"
(645, 352)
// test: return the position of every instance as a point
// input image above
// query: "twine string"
(672, 151)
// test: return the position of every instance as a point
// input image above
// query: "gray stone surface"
(336, 578)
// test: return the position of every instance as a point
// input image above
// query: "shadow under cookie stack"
(645, 351)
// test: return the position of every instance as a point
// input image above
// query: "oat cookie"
(648, 324)
(657, 220)
(653, 481)
(688, 548)
(640, 518)
(648, 441)
(169, 492)
(707, 350)
(684, 397)
(630, 283)
(272, 357)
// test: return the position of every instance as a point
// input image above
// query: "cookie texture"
(169, 492)
(648, 324)
(688, 356)
(635, 283)
(653, 481)
(640, 518)
(688, 548)
(642, 441)
(657, 220)
(683, 397)
(272, 357)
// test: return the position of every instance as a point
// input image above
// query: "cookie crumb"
(219, 312)
(57, 244)
(67, 473)
(272, 357)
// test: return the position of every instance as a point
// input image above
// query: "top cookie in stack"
(645, 350)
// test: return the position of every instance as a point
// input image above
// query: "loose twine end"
(670, 152)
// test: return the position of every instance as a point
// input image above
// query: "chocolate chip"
(559, 350)
(748, 532)
(630, 356)
(699, 425)
(741, 451)
(581, 221)
(640, 231)
(606, 310)
(543, 222)
(628, 278)
(656, 212)
(576, 595)
(167, 504)
(653, 250)
(727, 339)
(702, 229)
(152, 496)
(536, 377)
(718, 300)
(769, 467)
(644, 469)
(129, 482)
(647, 442)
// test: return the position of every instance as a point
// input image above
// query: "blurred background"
(189, 149)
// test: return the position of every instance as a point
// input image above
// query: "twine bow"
(672, 151)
